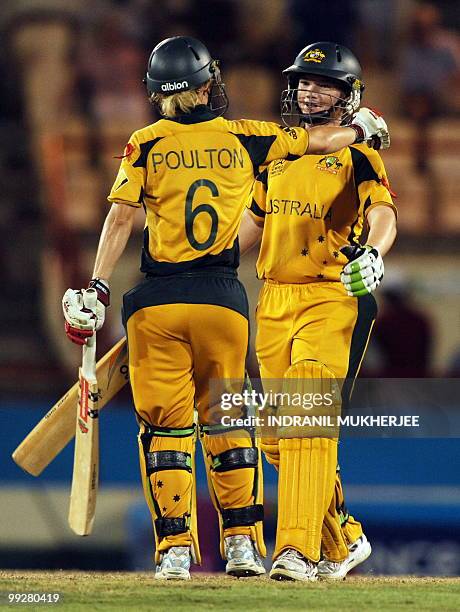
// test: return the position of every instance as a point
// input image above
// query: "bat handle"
(89, 349)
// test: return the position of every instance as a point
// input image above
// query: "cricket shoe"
(291, 565)
(337, 570)
(243, 560)
(174, 564)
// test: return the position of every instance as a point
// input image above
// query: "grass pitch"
(139, 591)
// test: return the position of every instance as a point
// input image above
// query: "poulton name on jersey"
(199, 158)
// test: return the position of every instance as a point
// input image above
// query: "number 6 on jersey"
(86, 459)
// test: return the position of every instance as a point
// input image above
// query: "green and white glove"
(363, 273)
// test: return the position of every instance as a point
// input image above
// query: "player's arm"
(81, 322)
(326, 139)
(266, 142)
(252, 223)
(250, 233)
(114, 236)
(365, 269)
(366, 126)
(126, 197)
(382, 228)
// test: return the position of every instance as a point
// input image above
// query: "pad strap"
(218, 430)
(157, 461)
(235, 459)
(171, 432)
(170, 526)
(242, 517)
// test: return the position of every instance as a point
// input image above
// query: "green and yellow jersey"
(311, 207)
(193, 176)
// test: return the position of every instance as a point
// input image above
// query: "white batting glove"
(364, 272)
(370, 127)
(81, 322)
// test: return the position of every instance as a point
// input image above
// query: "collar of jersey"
(199, 114)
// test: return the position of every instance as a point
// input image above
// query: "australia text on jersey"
(294, 207)
(199, 158)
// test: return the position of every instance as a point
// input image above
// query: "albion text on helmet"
(174, 86)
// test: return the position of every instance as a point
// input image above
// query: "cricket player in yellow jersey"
(187, 322)
(316, 309)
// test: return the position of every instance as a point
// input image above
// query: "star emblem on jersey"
(176, 498)
(320, 276)
(159, 484)
(164, 508)
(314, 55)
(321, 238)
(304, 252)
(336, 254)
(324, 262)
(329, 163)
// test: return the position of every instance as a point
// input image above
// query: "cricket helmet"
(330, 61)
(183, 63)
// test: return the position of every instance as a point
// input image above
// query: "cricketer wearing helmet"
(187, 322)
(316, 309)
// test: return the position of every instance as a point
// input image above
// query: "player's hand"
(363, 273)
(371, 128)
(81, 322)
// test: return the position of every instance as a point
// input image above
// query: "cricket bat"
(57, 427)
(86, 459)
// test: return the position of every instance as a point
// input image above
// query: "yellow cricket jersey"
(193, 175)
(312, 206)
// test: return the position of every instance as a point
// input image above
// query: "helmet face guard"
(218, 99)
(334, 64)
(309, 112)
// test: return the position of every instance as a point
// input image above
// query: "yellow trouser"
(174, 351)
(319, 326)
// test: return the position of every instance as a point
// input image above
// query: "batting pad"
(333, 543)
(167, 461)
(235, 482)
(305, 487)
(307, 468)
(351, 528)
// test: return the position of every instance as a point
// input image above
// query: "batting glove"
(363, 273)
(370, 127)
(82, 322)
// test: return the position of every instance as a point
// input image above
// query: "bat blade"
(86, 459)
(57, 427)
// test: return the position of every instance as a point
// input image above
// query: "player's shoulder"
(361, 150)
(251, 127)
(145, 134)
